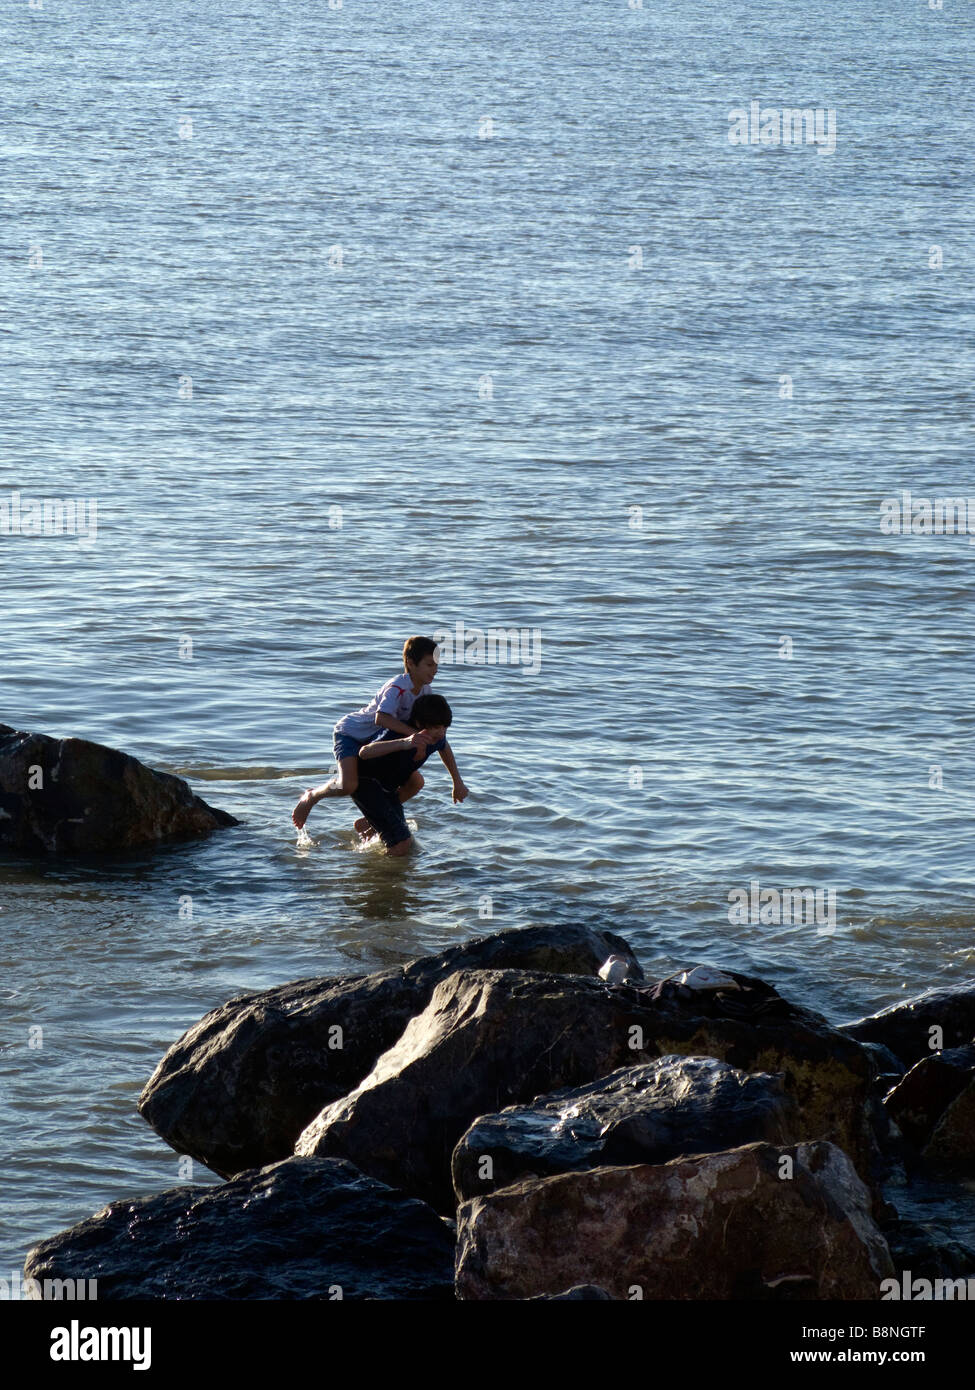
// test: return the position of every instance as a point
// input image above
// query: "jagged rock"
(492, 1038)
(907, 1028)
(930, 1108)
(238, 1088)
(300, 1229)
(69, 796)
(649, 1114)
(730, 1225)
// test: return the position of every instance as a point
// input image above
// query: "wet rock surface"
(908, 1029)
(70, 796)
(300, 1229)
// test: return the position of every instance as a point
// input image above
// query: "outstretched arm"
(450, 763)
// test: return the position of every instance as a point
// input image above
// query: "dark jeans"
(383, 809)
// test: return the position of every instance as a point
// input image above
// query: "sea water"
(336, 325)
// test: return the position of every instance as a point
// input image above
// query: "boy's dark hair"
(416, 648)
(429, 711)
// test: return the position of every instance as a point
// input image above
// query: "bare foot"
(301, 812)
(364, 827)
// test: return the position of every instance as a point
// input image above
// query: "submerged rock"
(930, 1022)
(238, 1088)
(301, 1229)
(491, 1038)
(756, 1222)
(69, 796)
(648, 1114)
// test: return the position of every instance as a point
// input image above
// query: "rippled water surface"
(492, 282)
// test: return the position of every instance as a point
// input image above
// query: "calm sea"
(361, 322)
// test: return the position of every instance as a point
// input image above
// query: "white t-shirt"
(396, 698)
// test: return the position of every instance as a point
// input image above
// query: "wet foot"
(301, 812)
(364, 827)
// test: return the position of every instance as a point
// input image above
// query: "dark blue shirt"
(393, 769)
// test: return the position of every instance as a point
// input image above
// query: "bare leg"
(347, 781)
(344, 784)
(410, 787)
(404, 847)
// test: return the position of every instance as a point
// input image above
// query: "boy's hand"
(421, 739)
(460, 792)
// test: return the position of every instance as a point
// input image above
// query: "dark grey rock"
(238, 1088)
(301, 1229)
(69, 796)
(647, 1114)
(906, 1029)
(920, 1100)
(493, 1038)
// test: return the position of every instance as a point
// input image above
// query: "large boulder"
(929, 1022)
(69, 796)
(238, 1088)
(751, 1223)
(301, 1229)
(491, 1038)
(649, 1114)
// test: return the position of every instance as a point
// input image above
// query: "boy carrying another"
(389, 765)
(389, 709)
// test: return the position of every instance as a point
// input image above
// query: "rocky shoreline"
(525, 1117)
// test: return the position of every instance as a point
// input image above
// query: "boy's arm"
(381, 746)
(389, 721)
(450, 763)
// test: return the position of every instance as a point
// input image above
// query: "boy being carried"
(389, 765)
(389, 709)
